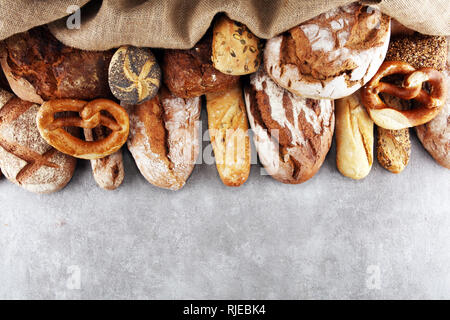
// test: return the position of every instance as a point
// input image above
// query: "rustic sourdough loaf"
(25, 158)
(330, 56)
(292, 134)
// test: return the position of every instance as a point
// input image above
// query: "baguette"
(228, 128)
(354, 137)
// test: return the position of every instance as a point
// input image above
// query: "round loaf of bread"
(40, 68)
(292, 134)
(25, 158)
(134, 75)
(190, 73)
(330, 56)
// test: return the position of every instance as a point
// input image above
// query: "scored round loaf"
(163, 138)
(190, 73)
(330, 56)
(134, 75)
(292, 134)
(25, 158)
(40, 68)
(235, 50)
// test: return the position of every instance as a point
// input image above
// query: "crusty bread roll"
(393, 149)
(292, 134)
(228, 129)
(40, 68)
(235, 50)
(25, 158)
(190, 73)
(108, 172)
(164, 138)
(354, 137)
(330, 56)
(435, 135)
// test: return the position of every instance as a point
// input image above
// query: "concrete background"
(387, 236)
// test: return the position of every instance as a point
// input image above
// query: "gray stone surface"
(387, 236)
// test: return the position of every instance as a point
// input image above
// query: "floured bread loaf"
(164, 138)
(25, 158)
(292, 135)
(330, 56)
(40, 68)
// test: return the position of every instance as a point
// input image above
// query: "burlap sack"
(181, 23)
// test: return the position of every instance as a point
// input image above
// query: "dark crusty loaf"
(25, 158)
(39, 68)
(190, 73)
(292, 134)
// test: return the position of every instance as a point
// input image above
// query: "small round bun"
(330, 56)
(134, 76)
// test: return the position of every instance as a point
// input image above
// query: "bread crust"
(235, 50)
(25, 158)
(354, 137)
(108, 172)
(292, 135)
(330, 56)
(190, 73)
(228, 129)
(164, 138)
(40, 68)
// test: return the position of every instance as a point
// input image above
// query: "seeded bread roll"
(108, 172)
(164, 138)
(354, 137)
(25, 158)
(190, 73)
(134, 75)
(235, 50)
(228, 128)
(40, 68)
(292, 134)
(330, 56)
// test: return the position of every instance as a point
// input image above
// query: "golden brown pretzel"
(390, 118)
(90, 116)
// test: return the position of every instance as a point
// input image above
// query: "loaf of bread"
(190, 73)
(435, 135)
(134, 75)
(329, 56)
(40, 68)
(25, 158)
(235, 50)
(354, 137)
(228, 129)
(108, 172)
(164, 138)
(292, 134)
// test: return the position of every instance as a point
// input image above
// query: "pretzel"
(90, 116)
(429, 104)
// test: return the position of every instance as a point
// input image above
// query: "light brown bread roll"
(228, 129)
(329, 56)
(354, 137)
(235, 50)
(25, 158)
(108, 172)
(164, 138)
(393, 149)
(292, 134)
